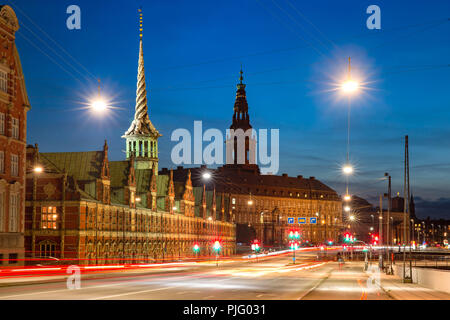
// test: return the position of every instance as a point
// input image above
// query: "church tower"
(142, 136)
(241, 146)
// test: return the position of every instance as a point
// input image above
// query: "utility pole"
(380, 231)
(388, 234)
(406, 279)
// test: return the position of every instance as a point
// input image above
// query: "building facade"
(263, 205)
(14, 106)
(85, 209)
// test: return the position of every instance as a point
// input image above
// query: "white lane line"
(90, 287)
(130, 293)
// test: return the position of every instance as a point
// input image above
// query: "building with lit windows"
(14, 106)
(85, 209)
(263, 205)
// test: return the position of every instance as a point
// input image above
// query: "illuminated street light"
(250, 202)
(347, 169)
(99, 105)
(209, 218)
(349, 86)
(347, 208)
(38, 169)
(174, 208)
(347, 197)
(206, 176)
(138, 199)
(352, 218)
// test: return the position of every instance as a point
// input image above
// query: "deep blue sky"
(193, 51)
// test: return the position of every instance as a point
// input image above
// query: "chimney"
(300, 177)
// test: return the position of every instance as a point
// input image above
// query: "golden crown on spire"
(140, 22)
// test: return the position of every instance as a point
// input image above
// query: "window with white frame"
(2, 123)
(14, 205)
(15, 128)
(3, 81)
(14, 165)
(2, 162)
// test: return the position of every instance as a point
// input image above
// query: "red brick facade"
(13, 121)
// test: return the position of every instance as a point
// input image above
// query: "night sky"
(292, 53)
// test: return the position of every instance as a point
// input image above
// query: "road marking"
(82, 288)
(317, 285)
(130, 293)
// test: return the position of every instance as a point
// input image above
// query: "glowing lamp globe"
(347, 169)
(206, 176)
(349, 86)
(38, 169)
(99, 105)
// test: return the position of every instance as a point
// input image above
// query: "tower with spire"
(142, 137)
(241, 121)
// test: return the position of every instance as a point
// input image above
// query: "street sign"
(313, 220)
(301, 220)
(290, 220)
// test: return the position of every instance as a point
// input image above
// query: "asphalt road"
(273, 278)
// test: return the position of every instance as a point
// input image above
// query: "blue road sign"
(313, 220)
(301, 220)
(290, 220)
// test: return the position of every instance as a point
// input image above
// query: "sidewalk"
(393, 285)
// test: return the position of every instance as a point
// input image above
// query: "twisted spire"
(141, 124)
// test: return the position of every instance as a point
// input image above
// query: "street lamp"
(206, 175)
(347, 197)
(347, 169)
(38, 169)
(347, 208)
(99, 105)
(349, 86)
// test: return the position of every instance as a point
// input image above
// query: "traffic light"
(255, 246)
(294, 245)
(196, 248)
(217, 246)
(294, 235)
(374, 239)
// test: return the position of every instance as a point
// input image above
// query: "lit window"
(15, 128)
(14, 165)
(3, 81)
(233, 201)
(49, 218)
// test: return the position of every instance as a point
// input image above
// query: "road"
(272, 278)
